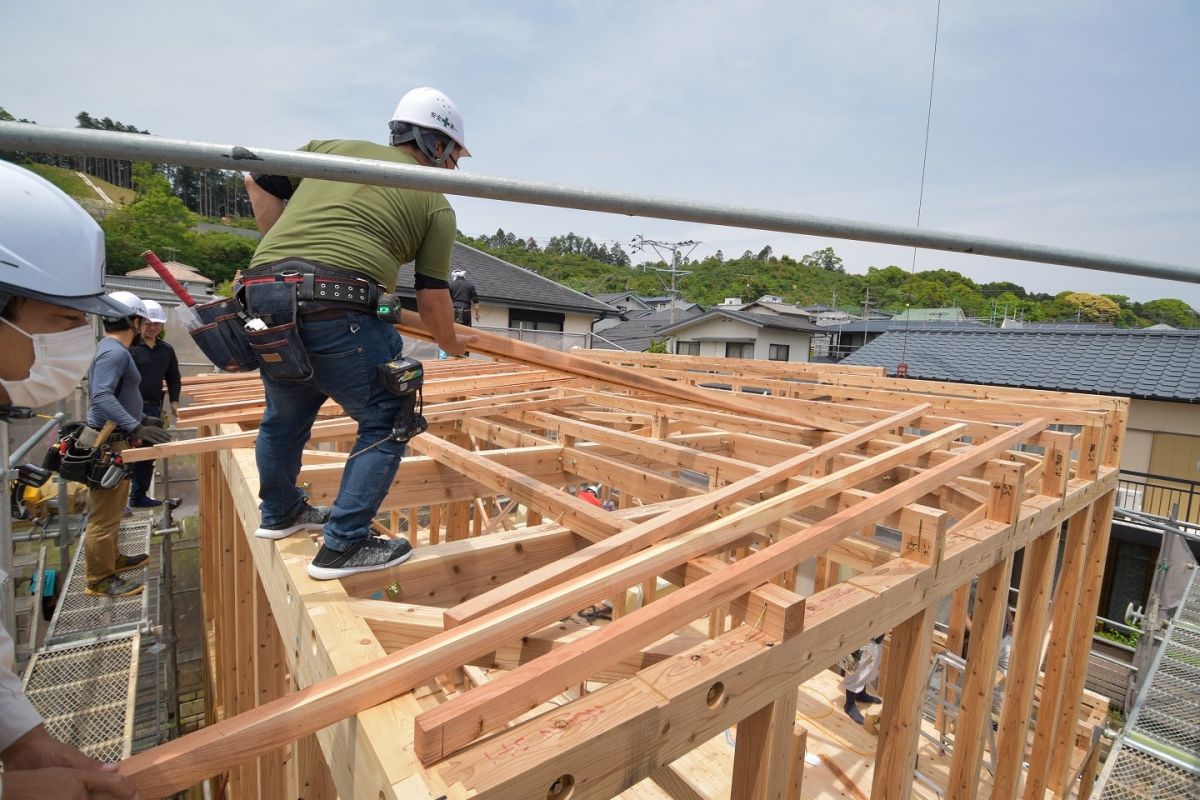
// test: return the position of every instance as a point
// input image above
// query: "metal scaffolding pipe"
(139, 147)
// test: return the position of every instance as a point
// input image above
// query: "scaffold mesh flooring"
(85, 677)
(83, 691)
(79, 614)
(1158, 756)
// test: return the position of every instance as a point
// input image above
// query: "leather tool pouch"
(280, 351)
(222, 337)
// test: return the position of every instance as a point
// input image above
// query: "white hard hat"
(154, 311)
(131, 306)
(428, 108)
(50, 249)
(458, 273)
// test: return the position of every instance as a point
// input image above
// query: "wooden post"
(991, 605)
(761, 767)
(903, 685)
(1081, 641)
(796, 763)
(1037, 572)
(1066, 601)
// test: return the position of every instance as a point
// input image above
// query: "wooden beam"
(449, 727)
(900, 719)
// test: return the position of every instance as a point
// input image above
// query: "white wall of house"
(496, 316)
(715, 333)
(1148, 417)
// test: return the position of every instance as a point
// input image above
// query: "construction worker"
(329, 253)
(861, 668)
(464, 297)
(158, 364)
(114, 394)
(53, 277)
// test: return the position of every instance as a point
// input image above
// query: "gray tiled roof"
(1159, 365)
(502, 283)
(786, 322)
(637, 333)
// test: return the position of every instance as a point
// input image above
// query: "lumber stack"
(765, 521)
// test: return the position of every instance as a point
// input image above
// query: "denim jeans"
(344, 352)
(142, 472)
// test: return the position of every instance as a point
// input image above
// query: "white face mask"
(59, 361)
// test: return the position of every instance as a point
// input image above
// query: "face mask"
(59, 361)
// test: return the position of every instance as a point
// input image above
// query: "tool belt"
(77, 457)
(259, 327)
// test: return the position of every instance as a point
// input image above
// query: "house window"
(687, 348)
(739, 350)
(779, 352)
(526, 319)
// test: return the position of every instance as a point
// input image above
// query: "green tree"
(1175, 313)
(157, 220)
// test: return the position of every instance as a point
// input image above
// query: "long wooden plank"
(523, 352)
(687, 516)
(456, 723)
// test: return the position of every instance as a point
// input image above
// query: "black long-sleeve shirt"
(157, 364)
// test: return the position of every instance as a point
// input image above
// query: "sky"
(1073, 123)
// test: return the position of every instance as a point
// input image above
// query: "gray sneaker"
(114, 586)
(306, 516)
(367, 554)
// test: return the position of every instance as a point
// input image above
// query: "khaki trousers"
(106, 508)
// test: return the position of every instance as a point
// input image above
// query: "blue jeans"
(142, 472)
(344, 352)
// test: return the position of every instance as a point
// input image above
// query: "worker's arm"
(267, 207)
(438, 315)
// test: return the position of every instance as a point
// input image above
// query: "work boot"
(114, 586)
(851, 709)
(365, 555)
(866, 697)
(306, 516)
(125, 562)
(145, 501)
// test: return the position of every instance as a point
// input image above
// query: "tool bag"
(275, 341)
(97, 467)
(222, 336)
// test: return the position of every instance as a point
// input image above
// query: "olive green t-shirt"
(370, 229)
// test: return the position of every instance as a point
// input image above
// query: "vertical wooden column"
(761, 758)
(1029, 627)
(987, 627)
(270, 672)
(244, 651)
(226, 631)
(904, 682)
(796, 763)
(1081, 644)
(1066, 601)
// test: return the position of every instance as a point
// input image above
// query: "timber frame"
(758, 526)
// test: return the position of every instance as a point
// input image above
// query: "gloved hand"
(151, 434)
(149, 420)
(389, 309)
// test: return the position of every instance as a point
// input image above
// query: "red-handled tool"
(188, 310)
(168, 278)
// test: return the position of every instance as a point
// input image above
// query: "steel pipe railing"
(139, 147)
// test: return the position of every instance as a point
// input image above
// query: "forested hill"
(819, 278)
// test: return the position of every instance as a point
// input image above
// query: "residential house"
(729, 333)
(188, 277)
(843, 338)
(1158, 370)
(639, 333)
(628, 303)
(520, 301)
(951, 314)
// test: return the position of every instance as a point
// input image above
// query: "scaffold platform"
(96, 679)
(1157, 756)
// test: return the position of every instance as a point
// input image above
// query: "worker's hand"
(151, 434)
(37, 749)
(174, 413)
(67, 784)
(459, 345)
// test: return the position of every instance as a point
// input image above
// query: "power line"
(640, 243)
